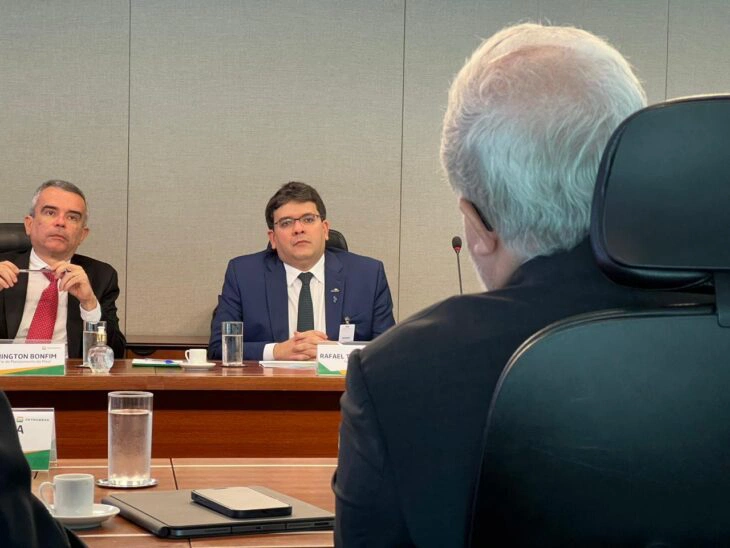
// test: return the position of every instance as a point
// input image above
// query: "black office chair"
(13, 237)
(613, 428)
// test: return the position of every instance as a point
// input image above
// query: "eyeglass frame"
(294, 220)
(484, 221)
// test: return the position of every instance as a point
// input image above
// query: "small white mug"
(73, 494)
(196, 355)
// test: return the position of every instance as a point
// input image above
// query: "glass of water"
(130, 439)
(89, 338)
(232, 343)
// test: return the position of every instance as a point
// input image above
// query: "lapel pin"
(335, 290)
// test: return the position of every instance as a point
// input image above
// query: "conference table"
(307, 479)
(248, 411)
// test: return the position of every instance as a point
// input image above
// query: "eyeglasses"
(307, 219)
(484, 221)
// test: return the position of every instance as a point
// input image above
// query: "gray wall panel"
(439, 37)
(64, 72)
(231, 99)
(699, 36)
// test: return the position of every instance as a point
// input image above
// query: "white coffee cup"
(73, 494)
(196, 355)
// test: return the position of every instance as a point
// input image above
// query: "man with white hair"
(527, 120)
(48, 291)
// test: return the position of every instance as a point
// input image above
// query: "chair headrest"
(662, 199)
(13, 237)
(336, 240)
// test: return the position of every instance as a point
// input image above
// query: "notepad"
(149, 362)
(289, 365)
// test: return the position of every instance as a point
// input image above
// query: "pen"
(29, 270)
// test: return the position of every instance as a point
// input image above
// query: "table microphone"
(456, 244)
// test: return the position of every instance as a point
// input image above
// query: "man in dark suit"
(265, 290)
(527, 119)
(85, 289)
(24, 520)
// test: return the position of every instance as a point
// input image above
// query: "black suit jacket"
(104, 283)
(416, 400)
(24, 520)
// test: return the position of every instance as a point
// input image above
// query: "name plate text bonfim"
(33, 359)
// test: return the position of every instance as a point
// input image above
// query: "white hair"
(528, 118)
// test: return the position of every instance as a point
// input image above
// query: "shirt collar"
(317, 270)
(36, 263)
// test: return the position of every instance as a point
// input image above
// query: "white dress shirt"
(293, 288)
(37, 283)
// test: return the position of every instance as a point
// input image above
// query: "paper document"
(290, 365)
(150, 362)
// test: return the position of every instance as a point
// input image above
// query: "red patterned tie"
(44, 319)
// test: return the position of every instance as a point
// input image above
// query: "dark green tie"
(305, 313)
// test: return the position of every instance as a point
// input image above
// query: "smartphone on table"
(241, 502)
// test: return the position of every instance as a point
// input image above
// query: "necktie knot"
(306, 277)
(49, 275)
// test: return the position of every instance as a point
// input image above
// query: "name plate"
(33, 359)
(37, 435)
(332, 358)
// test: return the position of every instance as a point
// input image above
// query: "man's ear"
(270, 233)
(485, 241)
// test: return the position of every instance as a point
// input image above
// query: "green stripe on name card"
(39, 460)
(58, 370)
(322, 370)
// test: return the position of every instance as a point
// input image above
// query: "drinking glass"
(232, 343)
(130, 439)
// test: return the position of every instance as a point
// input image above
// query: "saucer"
(104, 482)
(201, 365)
(101, 513)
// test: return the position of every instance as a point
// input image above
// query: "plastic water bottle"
(101, 357)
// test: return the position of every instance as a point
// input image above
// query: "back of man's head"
(527, 121)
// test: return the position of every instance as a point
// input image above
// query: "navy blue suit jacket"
(254, 291)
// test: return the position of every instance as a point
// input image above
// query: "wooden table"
(247, 411)
(116, 532)
(306, 479)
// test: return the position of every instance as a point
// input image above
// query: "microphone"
(456, 244)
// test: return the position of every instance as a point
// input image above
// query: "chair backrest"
(613, 428)
(13, 237)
